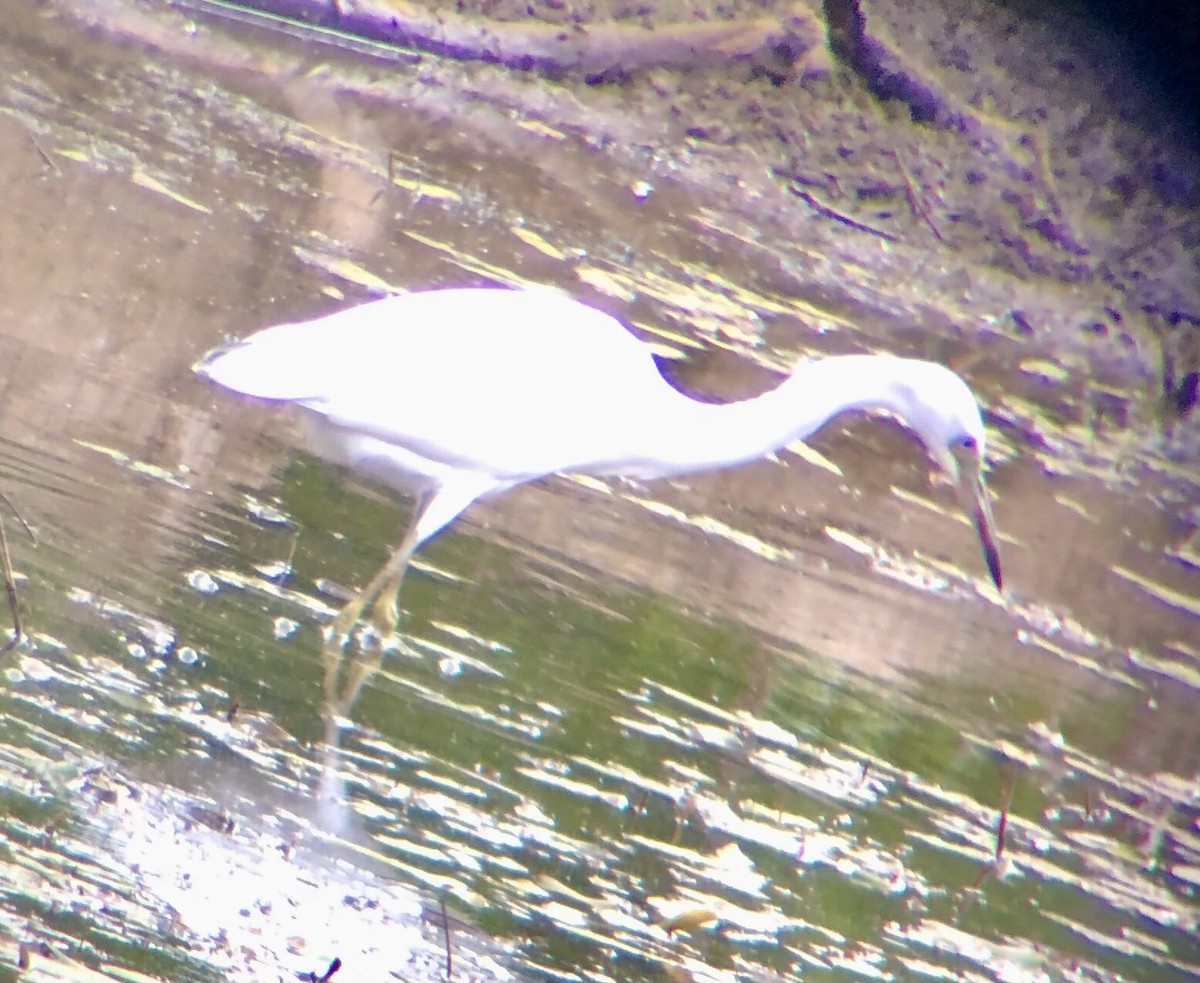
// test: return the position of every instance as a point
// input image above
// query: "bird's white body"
(509, 384)
(469, 392)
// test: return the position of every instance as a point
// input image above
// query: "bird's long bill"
(975, 500)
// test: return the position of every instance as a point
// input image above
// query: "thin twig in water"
(46, 158)
(291, 553)
(20, 518)
(993, 869)
(10, 582)
(1002, 826)
(446, 930)
(10, 587)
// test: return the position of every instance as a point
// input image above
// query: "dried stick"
(826, 212)
(603, 50)
(914, 200)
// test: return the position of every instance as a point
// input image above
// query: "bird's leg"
(384, 587)
(386, 610)
(435, 508)
(343, 624)
(387, 579)
(346, 674)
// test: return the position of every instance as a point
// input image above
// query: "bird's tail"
(272, 364)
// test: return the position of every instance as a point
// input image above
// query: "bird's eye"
(967, 442)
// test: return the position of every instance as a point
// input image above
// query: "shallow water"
(764, 722)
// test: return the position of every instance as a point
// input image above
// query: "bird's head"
(943, 411)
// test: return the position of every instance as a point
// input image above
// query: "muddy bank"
(1030, 140)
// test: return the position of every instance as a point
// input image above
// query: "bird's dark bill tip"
(991, 554)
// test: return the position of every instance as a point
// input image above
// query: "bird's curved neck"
(700, 436)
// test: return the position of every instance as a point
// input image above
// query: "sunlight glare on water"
(765, 723)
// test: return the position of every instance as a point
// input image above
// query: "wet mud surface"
(771, 722)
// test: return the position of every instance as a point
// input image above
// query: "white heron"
(462, 393)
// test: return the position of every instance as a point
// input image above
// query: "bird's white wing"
(509, 382)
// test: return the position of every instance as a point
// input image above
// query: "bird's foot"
(375, 633)
(339, 631)
(385, 614)
(371, 638)
(378, 633)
